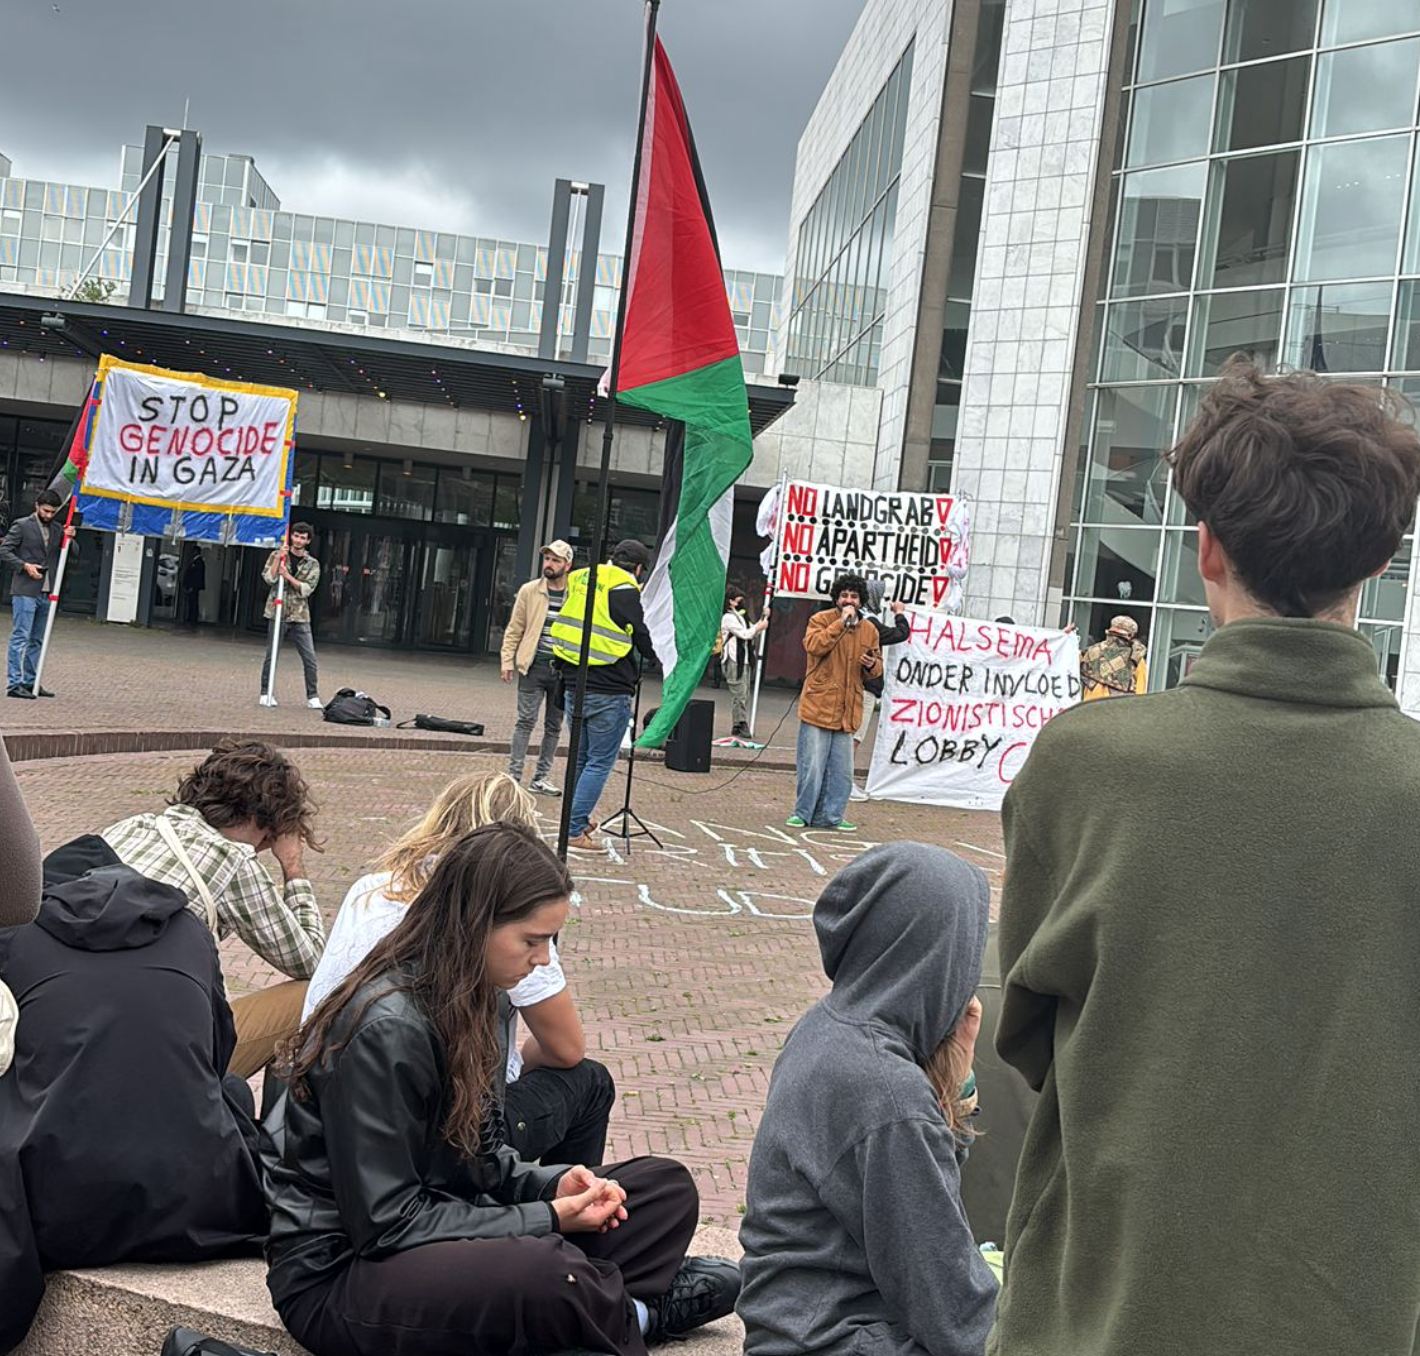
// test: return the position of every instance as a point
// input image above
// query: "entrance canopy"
(439, 370)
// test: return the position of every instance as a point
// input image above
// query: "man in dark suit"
(30, 551)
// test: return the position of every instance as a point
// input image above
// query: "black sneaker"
(44, 692)
(22, 692)
(704, 1289)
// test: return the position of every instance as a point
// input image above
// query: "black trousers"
(560, 1115)
(511, 1296)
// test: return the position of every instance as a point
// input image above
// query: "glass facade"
(1266, 201)
(844, 259)
(966, 240)
(251, 257)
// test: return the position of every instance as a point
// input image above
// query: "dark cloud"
(453, 113)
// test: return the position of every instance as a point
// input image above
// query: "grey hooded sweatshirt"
(855, 1240)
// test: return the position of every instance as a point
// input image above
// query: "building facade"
(251, 257)
(1096, 203)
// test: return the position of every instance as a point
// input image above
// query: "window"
(1126, 475)
(1255, 198)
(1365, 89)
(1169, 122)
(1358, 20)
(1264, 28)
(424, 273)
(1340, 327)
(1180, 37)
(1263, 105)
(1144, 340)
(1117, 563)
(1158, 230)
(1351, 208)
(1236, 322)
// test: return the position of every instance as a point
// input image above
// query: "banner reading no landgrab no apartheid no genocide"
(917, 544)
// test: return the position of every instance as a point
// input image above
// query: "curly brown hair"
(492, 876)
(247, 780)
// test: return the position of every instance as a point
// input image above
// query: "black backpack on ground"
(349, 707)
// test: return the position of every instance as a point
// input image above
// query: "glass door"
(447, 575)
(379, 573)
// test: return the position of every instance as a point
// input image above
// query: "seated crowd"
(1184, 989)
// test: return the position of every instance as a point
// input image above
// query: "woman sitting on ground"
(854, 1234)
(401, 1225)
(557, 1102)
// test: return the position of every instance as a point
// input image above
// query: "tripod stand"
(626, 814)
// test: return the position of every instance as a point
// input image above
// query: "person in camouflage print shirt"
(1115, 667)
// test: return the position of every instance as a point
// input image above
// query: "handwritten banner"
(181, 440)
(962, 704)
(917, 544)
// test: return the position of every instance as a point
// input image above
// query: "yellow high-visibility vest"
(610, 640)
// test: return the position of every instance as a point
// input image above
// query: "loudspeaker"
(688, 748)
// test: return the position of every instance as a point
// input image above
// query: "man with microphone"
(843, 650)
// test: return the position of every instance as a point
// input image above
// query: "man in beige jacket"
(527, 649)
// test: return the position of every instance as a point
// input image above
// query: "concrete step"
(128, 1310)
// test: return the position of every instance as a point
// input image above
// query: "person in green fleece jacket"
(1211, 971)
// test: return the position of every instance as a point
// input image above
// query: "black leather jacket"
(361, 1168)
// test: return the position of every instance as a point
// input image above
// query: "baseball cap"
(631, 550)
(1125, 627)
(560, 549)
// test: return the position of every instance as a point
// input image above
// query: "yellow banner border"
(109, 363)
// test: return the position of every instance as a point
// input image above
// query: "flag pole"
(278, 615)
(574, 738)
(768, 597)
(84, 424)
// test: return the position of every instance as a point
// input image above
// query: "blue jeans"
(605, 717)
(825, 775)
(26, 634)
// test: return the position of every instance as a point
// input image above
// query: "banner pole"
(268, 698)
(55, 585)
(574, 737)
(768, 599)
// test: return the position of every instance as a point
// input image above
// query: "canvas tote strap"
(169, 836)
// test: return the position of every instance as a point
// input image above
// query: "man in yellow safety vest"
(618, 627)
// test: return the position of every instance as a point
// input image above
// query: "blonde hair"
(466, 803)
(947, 1070)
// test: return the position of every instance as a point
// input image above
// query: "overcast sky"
(454, 114)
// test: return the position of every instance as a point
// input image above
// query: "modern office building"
(1039, 227)
(250, 257)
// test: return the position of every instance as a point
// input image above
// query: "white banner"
(917, 544)
(186, 441)
(962, 704)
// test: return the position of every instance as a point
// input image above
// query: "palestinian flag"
(680, 359)
(74, 457)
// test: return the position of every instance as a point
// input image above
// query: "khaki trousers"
(265, 1020)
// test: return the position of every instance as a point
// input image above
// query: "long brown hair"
(466, 803)
(947, 1069)
(491, 876)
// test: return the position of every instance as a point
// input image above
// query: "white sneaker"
(264, 700)
(856, 794)
(545, 787)
(314, 703)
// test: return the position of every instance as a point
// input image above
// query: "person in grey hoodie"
(855, 1240)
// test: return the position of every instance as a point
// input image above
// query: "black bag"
(443, 724)
(185, 1342)
(874, 686)
(349, 707)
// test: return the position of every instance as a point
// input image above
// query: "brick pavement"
(131, 678)
(690, 963)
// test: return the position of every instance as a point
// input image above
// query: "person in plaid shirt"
(301, 570)
(243, 798)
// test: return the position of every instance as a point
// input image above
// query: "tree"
(97, 290)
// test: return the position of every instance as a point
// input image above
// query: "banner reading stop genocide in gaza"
(962, 704)
(185, 441)
(917, 544)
